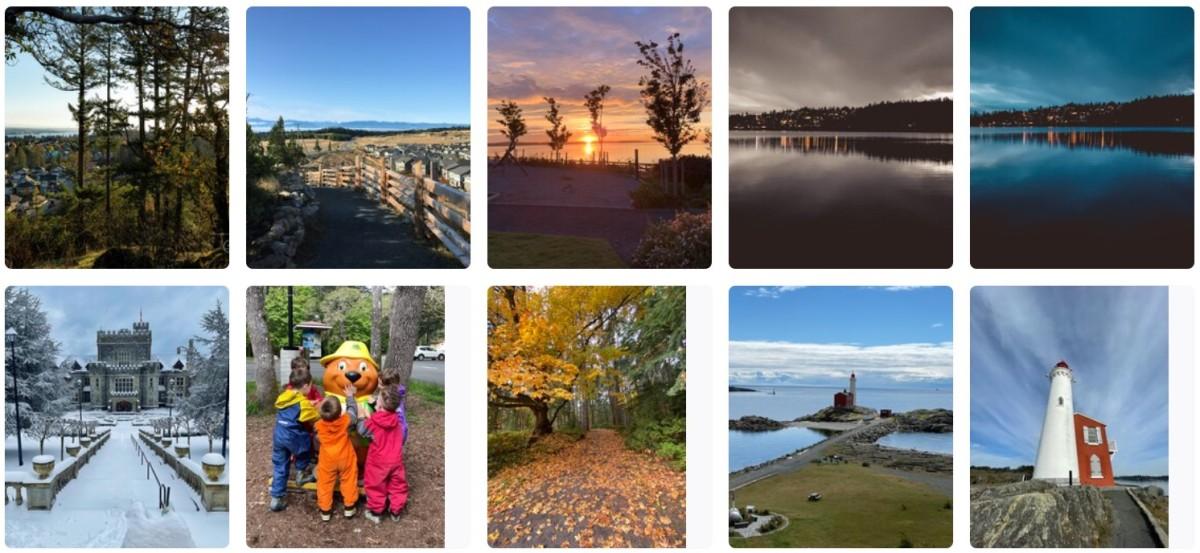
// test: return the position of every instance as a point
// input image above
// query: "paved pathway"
(352, 231)
(795, 462)
(1132, 528)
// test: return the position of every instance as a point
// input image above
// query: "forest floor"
(423, 525)
(594, 493)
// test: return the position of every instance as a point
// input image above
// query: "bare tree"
(672, 95)
(260, 343)
(403, 326)
(557, 133)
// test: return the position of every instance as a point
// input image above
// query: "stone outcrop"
(926, 420)
(755, 423)
(295, 205)
(1039, 514)
(900, 459)
(840, 414)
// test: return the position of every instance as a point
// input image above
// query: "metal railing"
(164, 491)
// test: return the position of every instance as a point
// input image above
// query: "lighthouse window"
(1091, 435)
(1097, 471)
(1060, 401)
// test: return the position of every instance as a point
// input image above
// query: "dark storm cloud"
(815, 57)
(1029, 57)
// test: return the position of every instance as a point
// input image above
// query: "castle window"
(1091, 435)
(123, 384)
(1097, 470)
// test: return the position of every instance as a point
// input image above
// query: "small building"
(846, 399)
(1095, 451)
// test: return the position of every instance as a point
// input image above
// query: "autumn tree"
(673, 97)
(557, 133)
(594, 102)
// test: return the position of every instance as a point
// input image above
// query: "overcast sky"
(1031, 57)
(783, 58)
(75, 313)
(1114, 339)
(898, 336)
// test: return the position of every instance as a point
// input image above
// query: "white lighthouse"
(853, 389)
(1056, 454)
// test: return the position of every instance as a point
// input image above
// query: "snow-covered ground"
(112, 504)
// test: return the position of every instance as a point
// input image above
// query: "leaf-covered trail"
(595, 493)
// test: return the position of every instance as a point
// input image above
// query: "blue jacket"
(293, 412)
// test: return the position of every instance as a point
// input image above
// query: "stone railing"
(214, 495)
(40, 493)
(295, 205)
(1160, 534)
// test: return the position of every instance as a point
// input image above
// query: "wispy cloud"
(936, 325)
(1115, 339)
(757, 361)
(770, 291)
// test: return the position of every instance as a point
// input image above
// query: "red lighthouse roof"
(1063, 364)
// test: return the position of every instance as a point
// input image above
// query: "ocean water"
(931, 442)
(792, 402)
(1164, 484)
(1080, 198)
(752, 448)
(617, 152)
(822, 199)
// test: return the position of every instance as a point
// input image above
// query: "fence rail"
(438, 211)
(164, 491)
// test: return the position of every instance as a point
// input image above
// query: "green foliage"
(506, 448)
(697, 186)
(682, 242)
(667, 439)
(427, 391)
(252, 408)
(519, 250)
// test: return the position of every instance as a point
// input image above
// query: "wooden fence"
(437, 210)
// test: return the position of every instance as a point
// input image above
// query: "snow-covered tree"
(45, 426)
(209, 390)
(32, 361)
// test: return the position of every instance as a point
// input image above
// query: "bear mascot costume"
(352, 364)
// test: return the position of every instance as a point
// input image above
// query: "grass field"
(861, 507)
(518, 250)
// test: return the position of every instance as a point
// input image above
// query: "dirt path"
(788, 464)
(595, 493)
(353, 231)
(1132, 529)
(300, 525)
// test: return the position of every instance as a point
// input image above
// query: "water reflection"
(1149, 142)
(832, 200)
(937, 148)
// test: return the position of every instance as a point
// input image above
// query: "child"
(385, 481)
(338, 463)
(301, 362)
(292, 438)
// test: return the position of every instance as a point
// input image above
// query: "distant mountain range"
(903, 116)
(259, 124)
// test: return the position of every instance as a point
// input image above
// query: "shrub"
(506, 448)
(697, 180)
(665, 438)
(685, 241)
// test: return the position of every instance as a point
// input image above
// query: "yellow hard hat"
(351, 349)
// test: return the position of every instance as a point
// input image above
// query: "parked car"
(429, 352)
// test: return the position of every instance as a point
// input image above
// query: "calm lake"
(833, 200)
(1080, 198)
(752, 448)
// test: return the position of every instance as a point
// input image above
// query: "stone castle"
(125, 376)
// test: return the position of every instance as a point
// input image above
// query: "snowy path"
(112, 504)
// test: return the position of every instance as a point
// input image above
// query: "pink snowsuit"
(383, 476)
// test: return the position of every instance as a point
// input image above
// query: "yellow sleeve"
(308, 413)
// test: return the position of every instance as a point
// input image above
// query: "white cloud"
(936, 325)
(770, 291)
(774, 361)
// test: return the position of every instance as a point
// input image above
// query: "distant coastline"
(258, 124)
(1153, 111)
(900, 116)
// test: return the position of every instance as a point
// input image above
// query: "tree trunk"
(587, 415)
(542, 425)
(376, 319)
(403, 325)
(260, 344)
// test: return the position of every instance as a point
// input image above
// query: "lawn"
(519, 250)
(861, 507)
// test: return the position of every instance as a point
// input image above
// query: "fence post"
(635, 164)
(419, 195)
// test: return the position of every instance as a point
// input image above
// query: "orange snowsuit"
(337, 463)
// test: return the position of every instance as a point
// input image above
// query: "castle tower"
(1056, 454)
(853, 390)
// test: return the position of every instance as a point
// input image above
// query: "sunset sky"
(566, 52)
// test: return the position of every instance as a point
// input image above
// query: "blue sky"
(75, 314)
(343, 64)
(1115, 340)
(1029, 57)
(30, 102)
(891, 336)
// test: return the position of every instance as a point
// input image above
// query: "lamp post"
(10, 345)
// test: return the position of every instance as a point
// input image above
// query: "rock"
(755, 423)
(927, 420)
(279, 248)
(1039, 514)
(839, 414)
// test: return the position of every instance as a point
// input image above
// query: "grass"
(861, 507)
(519, 250)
